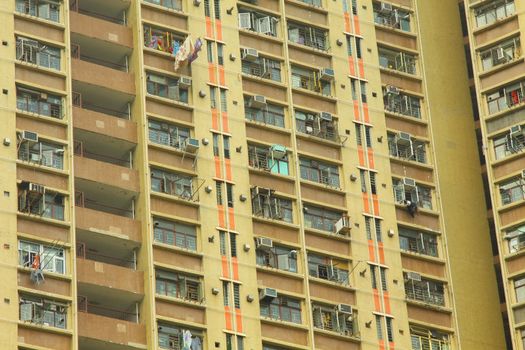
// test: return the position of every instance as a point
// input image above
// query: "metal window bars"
(313, 124)
(313, 37)
(416, 150)
(263, 68)
(429, 292)
(42, 311)
(266, 115)
(402, 104)
(39, 102)
(32, 51)
(45, 9)
(41, 153)
(175, 238)
(329, 319)
(512, 191)
(89, 307)
(418, 243)
(399, 61)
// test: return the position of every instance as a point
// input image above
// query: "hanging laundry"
(184, 52)
(153, 43)
(196, 343)
(186, 340)
(195, 54)
(176, 47)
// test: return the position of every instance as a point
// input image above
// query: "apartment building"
(492, 31)
(263, 174)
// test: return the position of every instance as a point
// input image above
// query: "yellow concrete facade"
(310, 180)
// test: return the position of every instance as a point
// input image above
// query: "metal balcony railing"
(91, 308)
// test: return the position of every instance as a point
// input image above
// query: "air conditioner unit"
(185, 82)
(404, 138)
(29, 136)
(344, 309)
(327, 74)
(33, 187)
(392, 90)
(309, 129)
(261, 191)
(326, 116)
(516, 130)
(342, 226)
(267, 293)
(414, 276)
(278, 151)
(263, 243)
(258, 101)
(191, 145)
(500, 54)
(43, 96)
(408, 182)
(250, 54)
(385, 8)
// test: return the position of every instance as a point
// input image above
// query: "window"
(278, 257)
(42, 311)
(209, 51)
(162, 40)
(320, 125)
(226, 146)
(408, 191)
(328, 268)
(271, 114)
(41, 152)
(281, 308)
(213, 97)
(178, 285)
(353, 85)
(330, 318)
(363, 91)
(226, 293)
(349, 49)
(220, 53)
(316, 3)
(38, 200)
(233, 244)
(44, 9)
(505, 98)
(403, 145)
(373, 276)
(236, 295)
(216, 152)
(229, 195)
(358, 135)
(174, 184)
(389, 329)
(45, 257)
(320, 172)
(501, 53)
(173, 337)
(516, 238)
(368, 227)
(217, 8)
(33, 51)
(382, 274)
(519, 288)
(379, 327)
(494, 11)
(39, 102)
(368, 136)
(207, 10)
(265, 204)
(218, 192)
(511, 142)
(166, 87)
(303, 34)
(168, 134)
(417, 242)
(424, 290)
(397, 60)
(358, 51)
(310, 79)
(222, 240)
(262, 157)
(261, 67)
(258, 22)
(395, 18)
(379, 235)
(512, 190)
(400, 103)
(423, 338)
(224, 100)
(175, 234)
(171, 4)
(321, 218)
(362, 178)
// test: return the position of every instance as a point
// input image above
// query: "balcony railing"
(85, 306)
(425, 291)
(84, 253)
(79, 102)
(265, 116)
(76, 53)
(81, 151)
(74, 6)
(45, 9)
(403, 104)
(82, 201)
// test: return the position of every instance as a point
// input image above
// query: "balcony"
(114, 129)
(103, 77)
(424, 290)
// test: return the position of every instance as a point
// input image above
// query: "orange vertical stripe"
(377, 305)
(217, 167)
(235, 267)
(361, 67)
(351, 65)
(375, 202)
(231, 217)
(238, 320)
(225, 125)
(381, 344)
(370, 153)
(347, 22)
(228, 316)
(209, 30)
(214, 119)
(366, 203)
(218, 25)
(361, 155)
(222, 217)
(371, 255)
(356, 111)
(228, 166)
(365, 113)
(381, 252)
(225, 271)
(386, 297)
(222, 79)
(356, 25)
(211, 73)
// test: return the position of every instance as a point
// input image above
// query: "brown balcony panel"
(177, 259)
(36, 77)
(164, 206)
(255, 42)
(513, 215)
(276, 232)
(504, 75)
(41, 127)
(34, 28)
(428, 315)
(309, 57)
(165, 62)
(169, 111)
(327, 243)
(308, 145)
(104, 124)
(270, 279)
(327, 341)
(110, 276)
(401, 81)
(422, 219)
(406, 125)
(393, 38)
(106, 173)
(314, 101)
(114, 225)
(319, 194)
(516, 264)
(47, 340)
(272, 5)
(41, 177)
(43, 229)
(410, 169)
(111, 330)
(427, 267)
(52, 284)
(331, 292)
(512, 166)
(169, 19)
(288, 334)
(307, 14)
(496, 31)
(271, 91)
(273, 182)
(96, 28)
(180, 311)
(95, 74)
(160, 155)
(266, 135)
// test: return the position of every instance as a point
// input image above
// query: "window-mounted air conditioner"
(33, 187)
(414, 276)
(250, 54)
(261, 191)
(344, 309)
(327, 74)
(29, 136)
(516, 130)
(392, 90)
(278, 151)
(263, 243)
(309, 129)
(403, 138)
(326, 116)
(258, 101)
(408, 182)
(185, 82)
(385, 7)
(191, 145)
(342, 226)
(267, 293)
